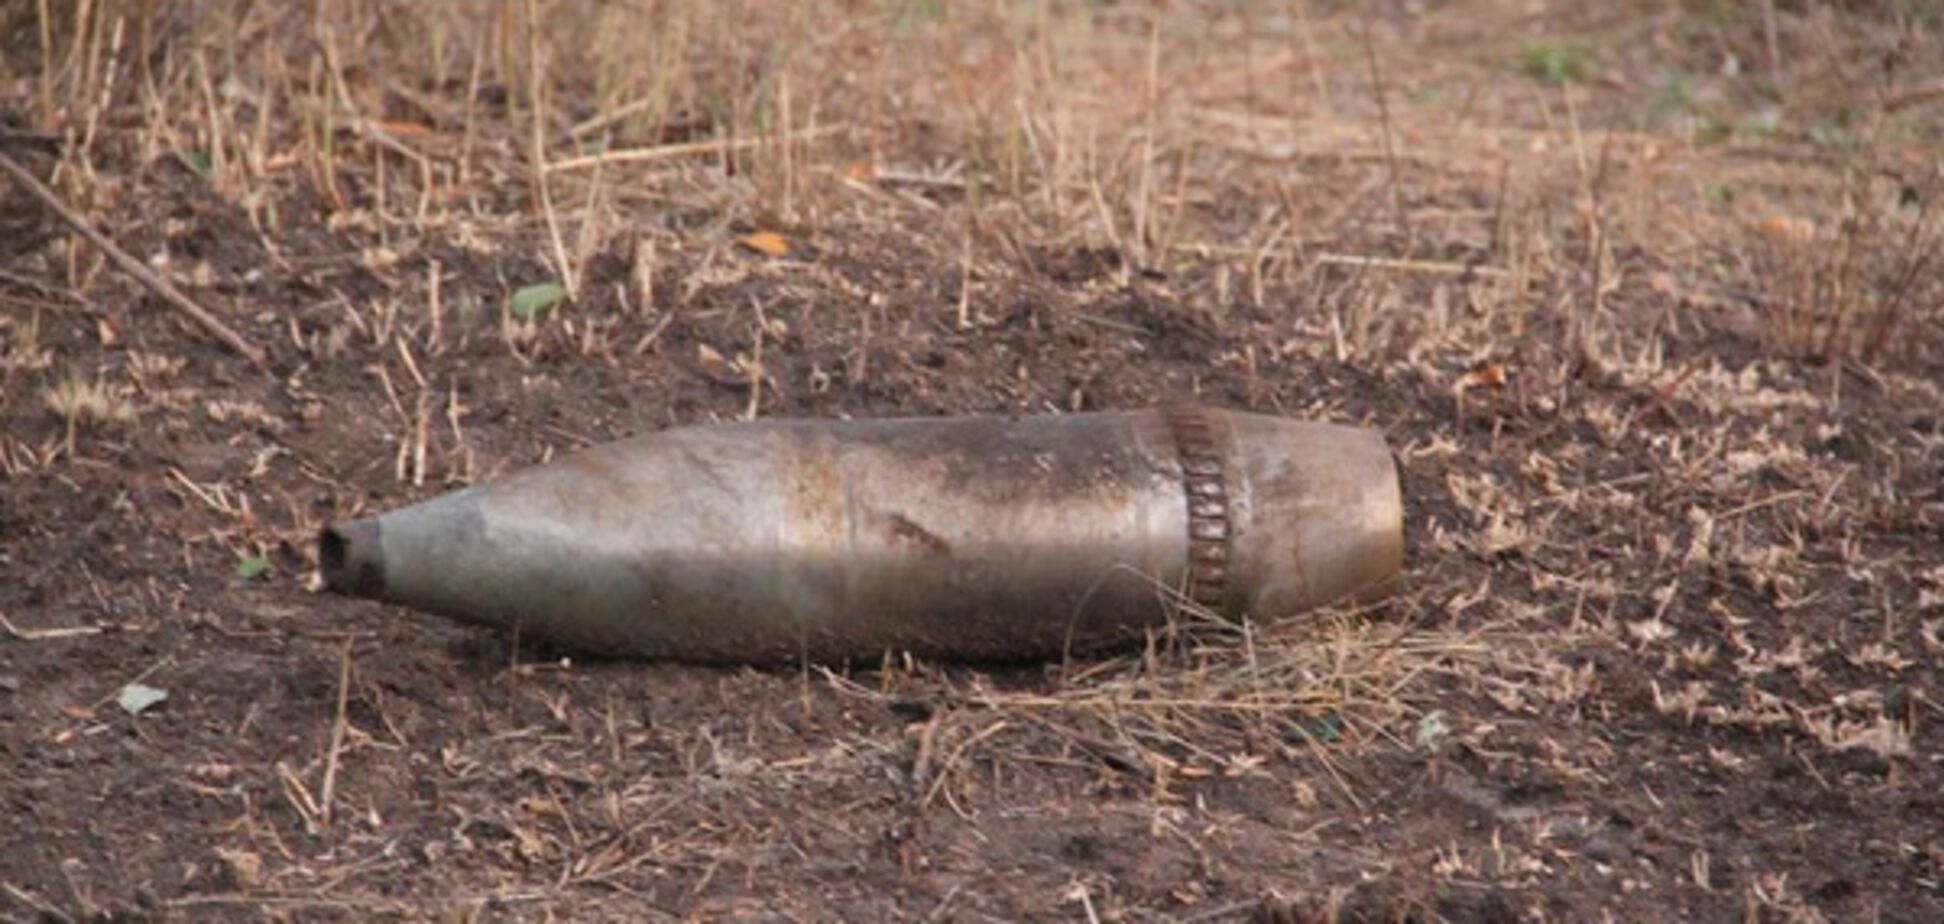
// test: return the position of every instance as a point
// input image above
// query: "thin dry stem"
(162, 287)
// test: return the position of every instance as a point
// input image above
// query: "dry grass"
(81, 403)
(1648, 297)
(1801, 195)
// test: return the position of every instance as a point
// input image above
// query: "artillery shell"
(970, 538)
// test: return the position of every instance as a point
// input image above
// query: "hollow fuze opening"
(351, 559)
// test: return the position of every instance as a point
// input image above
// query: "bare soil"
(1670, 639)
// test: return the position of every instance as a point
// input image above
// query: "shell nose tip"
(351, 558)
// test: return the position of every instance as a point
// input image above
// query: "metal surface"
(1204, 484)
(975, 538)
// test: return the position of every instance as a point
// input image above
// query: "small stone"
(1605, 850)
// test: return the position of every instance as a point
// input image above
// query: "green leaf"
(254, 567)
(533, 299)
(1713, 129)
(1556, 63)
(1325, 730)
(1431, 730)
(139, 696)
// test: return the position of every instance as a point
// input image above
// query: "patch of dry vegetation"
(1648, 296)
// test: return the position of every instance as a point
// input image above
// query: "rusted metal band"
(1204, 480)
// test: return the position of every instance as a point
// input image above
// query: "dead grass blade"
(689, 149)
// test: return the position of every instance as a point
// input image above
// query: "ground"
(1645, 297)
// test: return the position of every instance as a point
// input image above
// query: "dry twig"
(36, 635)
(134, 267)
(337, 734)
(685, 149)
